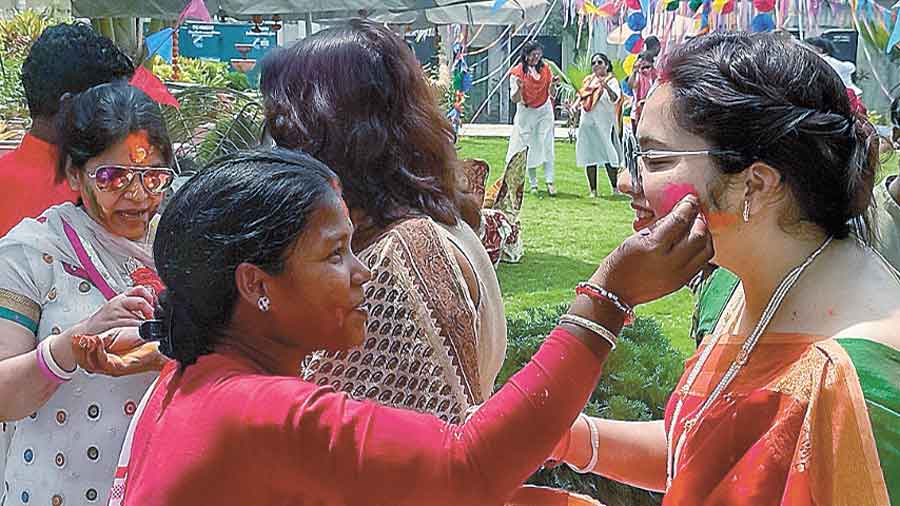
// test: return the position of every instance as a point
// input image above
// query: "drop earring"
(747, 211)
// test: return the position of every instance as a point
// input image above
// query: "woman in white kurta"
(74, 271)
(530, 83)
(598, 140)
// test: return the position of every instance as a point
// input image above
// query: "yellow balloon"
(628, 63)
(718, 5)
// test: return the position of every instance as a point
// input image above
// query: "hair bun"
(863, 166)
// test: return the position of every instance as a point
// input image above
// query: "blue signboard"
(242, 45)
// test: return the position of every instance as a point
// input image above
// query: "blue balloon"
(625, 88)
(637, 21)
(634, 43)
(762, 22)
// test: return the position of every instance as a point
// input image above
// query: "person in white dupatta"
(74, 273)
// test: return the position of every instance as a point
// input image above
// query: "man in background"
(66, 58)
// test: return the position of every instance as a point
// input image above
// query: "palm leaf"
(212, 122)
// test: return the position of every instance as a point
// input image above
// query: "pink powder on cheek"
(673, 193)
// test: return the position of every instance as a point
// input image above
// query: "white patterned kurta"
(65, 453)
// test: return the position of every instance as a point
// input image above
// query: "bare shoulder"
(854, 293)
(886, 332)
(874, 297)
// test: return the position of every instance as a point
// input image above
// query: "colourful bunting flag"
(196, 9)
(145, 81)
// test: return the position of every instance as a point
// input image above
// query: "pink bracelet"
(46, 370)
(52, 372)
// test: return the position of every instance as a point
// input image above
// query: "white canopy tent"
(437, 11)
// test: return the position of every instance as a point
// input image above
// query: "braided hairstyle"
(251, 207)
(780, 104)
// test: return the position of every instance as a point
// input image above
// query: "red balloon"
(728, 8)
(633, 4)
(764, 5)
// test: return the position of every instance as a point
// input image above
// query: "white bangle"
(55, 368)
(595, 444)
(590, 326)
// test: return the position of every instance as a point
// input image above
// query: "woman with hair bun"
(257, 260)
(793, 396)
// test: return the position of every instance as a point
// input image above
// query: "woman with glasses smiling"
(793, 397)
(597, 142)
(82, 270)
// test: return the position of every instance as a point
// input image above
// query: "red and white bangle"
(49, 367)
(599, 293)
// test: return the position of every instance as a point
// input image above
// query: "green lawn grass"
(567, 236)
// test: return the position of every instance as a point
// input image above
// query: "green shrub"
(637, 379)
(210, 73)
(12, 95)
(17, 34)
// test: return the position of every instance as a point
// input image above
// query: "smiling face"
(319, 294)
(665, 181)
(125, 213)
(599, 67)
(534, 57)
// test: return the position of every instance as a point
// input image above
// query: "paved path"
(498, 130)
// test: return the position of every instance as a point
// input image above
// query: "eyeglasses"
(115, 178)
(597, 62)
(634, 155)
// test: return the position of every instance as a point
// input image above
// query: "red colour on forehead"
(336, 185)
(139, 147)
(673, 193)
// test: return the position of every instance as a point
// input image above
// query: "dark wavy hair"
(69, 58)
(781, 104)
(92, 121)
(526, 50)
(356, 98)
(250, 207)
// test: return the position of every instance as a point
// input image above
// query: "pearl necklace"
(743, 355)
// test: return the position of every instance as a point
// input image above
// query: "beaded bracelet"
(590, 326)
(599, 293)
(595, 444)
(49, 367)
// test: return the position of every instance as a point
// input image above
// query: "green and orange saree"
(807, 421)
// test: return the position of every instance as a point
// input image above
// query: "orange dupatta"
(534, 92)
(792, 428)
(590, 93)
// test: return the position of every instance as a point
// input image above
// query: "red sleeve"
(365, 453)
(12, 206)
(517, 71)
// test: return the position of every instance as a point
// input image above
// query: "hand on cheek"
(672, 194)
